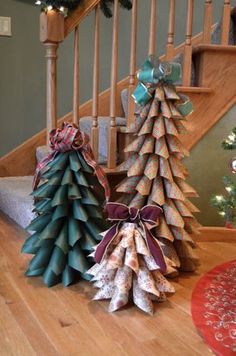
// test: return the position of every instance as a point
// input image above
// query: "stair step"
(197, 90)
(15, 200)
(213, 47)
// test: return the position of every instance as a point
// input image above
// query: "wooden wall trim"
(216, 234)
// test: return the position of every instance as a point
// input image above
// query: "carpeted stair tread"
(15, 200)
(85, 124)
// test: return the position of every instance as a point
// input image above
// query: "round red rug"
(214, 308)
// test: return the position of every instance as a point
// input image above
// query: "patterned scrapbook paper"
(144, 186)
(160, 169)
(137, 167)
(128, 271)
(165, 170)
(135, 145)
(172, 215)
(160, 93)
(170, 127)
(147, 146)
(147, 127)
(158, 128)
(182, 208)
(157, 194)
(165, 109)
(170, 92)
(192, 208)
(128, 185)
(186, 188)
(152, 167)
(172, 190)
(154, 109)
(163, 230)
(161, 148)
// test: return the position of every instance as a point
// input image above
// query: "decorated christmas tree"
(155, 172)
(129, 260)
(68, 207)
(226, 205)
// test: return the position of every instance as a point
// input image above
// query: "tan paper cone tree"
(156, 175)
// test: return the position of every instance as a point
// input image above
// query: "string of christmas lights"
(66, 6)
(230, 142)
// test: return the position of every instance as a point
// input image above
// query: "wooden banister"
(132, 72)
(78, 15)
(153, 27)
(76, 77)
(51, 92)
(51, 34)
(207, 22)
(171, 32)
(94, 136)
(112, 139)
(187, 63)
(226, 23)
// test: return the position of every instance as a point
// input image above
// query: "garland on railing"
(65, 6)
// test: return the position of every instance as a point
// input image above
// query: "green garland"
(70, 5)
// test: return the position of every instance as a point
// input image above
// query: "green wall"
(22, 69)
(22, 81)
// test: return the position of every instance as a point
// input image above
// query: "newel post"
(51, 34)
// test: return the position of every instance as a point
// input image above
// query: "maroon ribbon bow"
(120, 213)
(66, 139)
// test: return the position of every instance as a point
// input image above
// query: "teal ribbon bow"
(152, 72)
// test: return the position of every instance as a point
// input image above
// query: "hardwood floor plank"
(36, 320)
(12, 339)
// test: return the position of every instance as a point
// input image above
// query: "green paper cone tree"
(68, 221)
(156, 175)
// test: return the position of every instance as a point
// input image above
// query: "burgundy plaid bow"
(121, 213)
(66, 139)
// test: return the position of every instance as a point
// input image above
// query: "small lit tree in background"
(226, 205)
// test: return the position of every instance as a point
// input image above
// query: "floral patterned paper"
(128, 272)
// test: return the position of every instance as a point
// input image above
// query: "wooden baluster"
(112, 139)
(226, 23)
(76, 77)
(153, 28)
(133, 50)
(51, 34)
(207, 22)
(171, 32)
(187, 64)
(95, 137)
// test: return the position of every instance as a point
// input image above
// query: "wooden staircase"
(213, 93)
(214, 66)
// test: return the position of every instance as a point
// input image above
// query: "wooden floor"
(35, 320)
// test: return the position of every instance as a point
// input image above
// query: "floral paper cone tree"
(69, 217)
(155, 173)
(129, 260)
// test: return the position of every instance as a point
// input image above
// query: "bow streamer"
(120, 213)
(67, 139)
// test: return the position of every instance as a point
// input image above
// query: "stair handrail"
(77, 15)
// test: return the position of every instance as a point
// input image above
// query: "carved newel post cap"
(51, 26)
